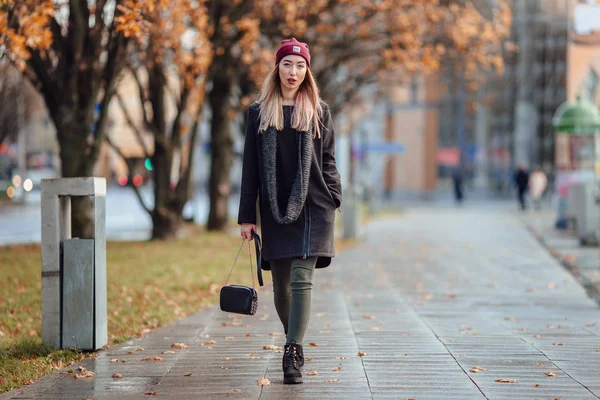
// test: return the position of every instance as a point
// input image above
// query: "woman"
(289, 164)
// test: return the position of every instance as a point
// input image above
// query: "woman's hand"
(247, 230)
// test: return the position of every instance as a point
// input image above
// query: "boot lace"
(291, 358)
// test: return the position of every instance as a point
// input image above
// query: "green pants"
(292, 287)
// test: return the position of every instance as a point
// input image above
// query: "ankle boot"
(291, 365)
(300, 352)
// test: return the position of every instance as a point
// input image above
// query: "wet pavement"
(442, 303)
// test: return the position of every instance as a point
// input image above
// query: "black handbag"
(243, 299)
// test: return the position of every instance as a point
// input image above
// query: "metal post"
(84, 261)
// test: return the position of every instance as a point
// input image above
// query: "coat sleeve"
(250, 179)
(330, 171)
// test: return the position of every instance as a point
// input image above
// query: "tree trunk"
(221, 148)
(165, 224)
(72, 125)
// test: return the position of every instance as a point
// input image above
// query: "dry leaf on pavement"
(229, 337)
(179, 346)
(313, 344)
(550, 373)
(150, 393)
(153, 358)
(536, 385)
(308, 359)
(368, 316)
(167, 352)
(332, 380)
(338, 368)
(506, 381)
(263, 382)
(321, 314)
(361, 354)
(477, 369)
(117, 376)
(557, 344)
(271, 347)
(139, 349)
(188, 375)
(313, 373)
(208, 343)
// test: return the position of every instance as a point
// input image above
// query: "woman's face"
(292, 71)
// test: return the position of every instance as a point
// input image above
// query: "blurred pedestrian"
(289, 164)
(537, 186)
(522, 182)
(458, 180)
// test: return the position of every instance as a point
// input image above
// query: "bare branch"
(130, 167)
(131, 123)
(141, 91)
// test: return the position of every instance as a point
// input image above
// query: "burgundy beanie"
(292, 46)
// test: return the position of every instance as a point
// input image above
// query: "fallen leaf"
(130, 352)
(227, 358)
(551, 286)
(179, 346)
(167, 352)
(343, 358)
(223, 324)
(153, 358)
(338, 368)
(188, 375)
(374, 328)
(276, 334)
(557, 344)
(313, 373)
(28, 382)
(598, 349)
(270, 347)
(332, 380)
(263, 382)
(538, 336)
(506, 381)
(116, 360)
(477, 369)
(208, 343)
(256, 358)
(229, 338)
(536, 385)
(361, 354)
(321, 314)
(84, 373)
(235, 390)
(550, 326)
(247, 335)
(313, 344)
(150, 393)
(308, 359)
(139, 349)
(117, 376)
(550, 373)
(368, 316)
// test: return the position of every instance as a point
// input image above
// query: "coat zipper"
(306, 239)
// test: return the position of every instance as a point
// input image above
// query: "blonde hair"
(307, 111)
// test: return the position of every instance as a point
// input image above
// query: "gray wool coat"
(311, 234)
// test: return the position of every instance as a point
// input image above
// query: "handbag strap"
(258, 247)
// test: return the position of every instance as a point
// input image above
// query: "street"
(125, 217)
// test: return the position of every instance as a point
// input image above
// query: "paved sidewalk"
(427, 297)
(582, 261)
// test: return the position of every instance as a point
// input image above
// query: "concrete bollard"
(74, 309)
